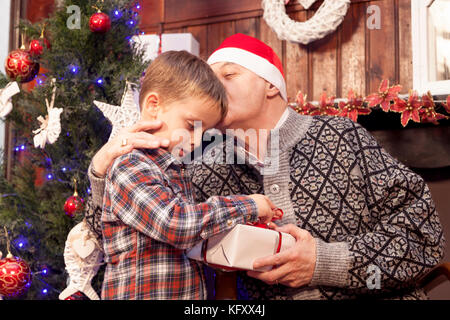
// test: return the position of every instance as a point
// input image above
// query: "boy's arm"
(137, 195)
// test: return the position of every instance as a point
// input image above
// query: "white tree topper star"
(50, 126)
(6, 94)
(124, 115)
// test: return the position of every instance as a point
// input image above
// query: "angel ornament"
(83, 256)
(6, 94)
(50, 126)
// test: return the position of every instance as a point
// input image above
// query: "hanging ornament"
(50, 126)
(5, 98)
(124, 115)
(99, 22)
(83, 257)
(74, 204)
(325, 21)
(37, 45)
(20, 66)
(15, 274)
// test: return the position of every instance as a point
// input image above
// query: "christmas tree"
(80, 60)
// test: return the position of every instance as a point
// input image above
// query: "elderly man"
(364, 224)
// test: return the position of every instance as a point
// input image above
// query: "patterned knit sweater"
(373, 219)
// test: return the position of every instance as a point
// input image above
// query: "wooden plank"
(323, 65)
(405, 46)
(352, 75)
(246, 26)
(296, 61)
(38, 10)
(269, 37)
(200, 33)
(217, 32)
(177, 10)
(152, 14)
(382, 47)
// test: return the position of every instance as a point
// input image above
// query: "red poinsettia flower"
(353, 107)
(428, 112)
(447, 105)
(409, 109)
(325, 107)
(301, 106)
(384, 96)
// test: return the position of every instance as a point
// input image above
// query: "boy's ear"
(271, 90)
(151, 105)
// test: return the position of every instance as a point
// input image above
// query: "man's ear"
(151, 105)
(271, 90)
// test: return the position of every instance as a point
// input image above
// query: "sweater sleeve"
(94, 204)
(406, 238)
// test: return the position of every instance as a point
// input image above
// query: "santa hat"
(253, 55)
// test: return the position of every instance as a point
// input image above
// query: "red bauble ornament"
(37, 46)
(99, 22)
(15, 276)
(74, 205)
(20, 67)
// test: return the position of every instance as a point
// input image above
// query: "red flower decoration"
(428, 112)
(353, 107)
(302, 107)
(409, 109)
(447, 105)
(384, 96)
(325, 107)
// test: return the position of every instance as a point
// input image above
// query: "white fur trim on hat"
(260, 66)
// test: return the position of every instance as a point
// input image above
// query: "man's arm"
(137, 195)
(94, 204)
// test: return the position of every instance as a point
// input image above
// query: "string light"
(100, 81)
(39, 80)
(21, 242)
(20, 148)
(74, 69)
(49, 176)
(117, 13)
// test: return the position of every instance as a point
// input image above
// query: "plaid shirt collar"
(163, 158)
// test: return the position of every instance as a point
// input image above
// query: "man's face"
(246, 93)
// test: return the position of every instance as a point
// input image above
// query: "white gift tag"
(83, 250)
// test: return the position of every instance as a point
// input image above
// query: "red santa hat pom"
(253, 55)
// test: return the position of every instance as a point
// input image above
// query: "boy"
(149, 215)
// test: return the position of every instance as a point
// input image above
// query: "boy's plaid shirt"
(149, 219)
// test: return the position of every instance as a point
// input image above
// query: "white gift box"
(239, 247)
(149, 43)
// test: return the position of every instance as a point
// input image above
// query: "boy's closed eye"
(190, 125)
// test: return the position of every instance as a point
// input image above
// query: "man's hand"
(136, 136)
(293, 267)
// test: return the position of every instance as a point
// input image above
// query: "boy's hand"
(266, 209)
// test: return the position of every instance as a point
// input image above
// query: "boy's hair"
(177, 75)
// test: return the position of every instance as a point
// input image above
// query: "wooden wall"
(352, 57)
